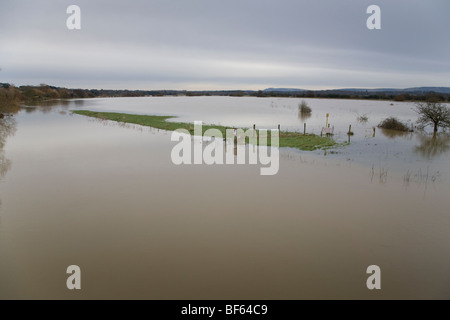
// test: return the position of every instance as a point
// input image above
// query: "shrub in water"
(304, 108)
(393, 123)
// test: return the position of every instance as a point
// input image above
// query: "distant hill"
(420, 90)
(429, 89)
(33, 94)
(283, 90)
(407, 94)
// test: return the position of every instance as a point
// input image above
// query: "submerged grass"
(297, 140)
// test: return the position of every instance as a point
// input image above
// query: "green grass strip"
(297, 140)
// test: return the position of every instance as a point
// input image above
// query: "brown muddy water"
(107, 197)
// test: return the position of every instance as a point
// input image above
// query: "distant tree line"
(360, 95)
(11, 97)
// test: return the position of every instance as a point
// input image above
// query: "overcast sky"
(225, 44)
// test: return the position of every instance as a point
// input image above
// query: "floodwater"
(107, 197)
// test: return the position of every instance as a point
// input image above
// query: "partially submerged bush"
(363, 119)
(304, 108)
(433, 113)
(393, 123)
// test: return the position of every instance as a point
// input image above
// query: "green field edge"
(305, 142)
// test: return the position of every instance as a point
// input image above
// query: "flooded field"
(107, 197)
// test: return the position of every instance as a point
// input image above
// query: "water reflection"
(8, 108)
(49, 105)
(432, 146)
(303, 116)
(7, 128)
(77, 103)
(392, 134)
(115, 187)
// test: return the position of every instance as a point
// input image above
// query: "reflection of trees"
(7, 128)
(304, 111)
(432, 146)
(303, 116)
(392, 134)
(9, 100)
(9, 105)
(48, 105)
(78, 103)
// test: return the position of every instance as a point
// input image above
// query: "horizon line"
(224, 89)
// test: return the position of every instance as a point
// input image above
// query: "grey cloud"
(233, 43)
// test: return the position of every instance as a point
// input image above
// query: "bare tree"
(433, 113)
